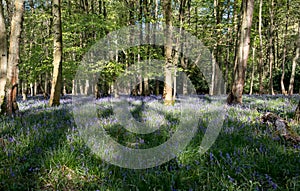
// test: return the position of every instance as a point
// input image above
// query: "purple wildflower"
(230, 179)
(211, 157)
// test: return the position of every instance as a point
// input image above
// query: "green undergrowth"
(41, 149)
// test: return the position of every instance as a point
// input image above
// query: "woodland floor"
(41, 149)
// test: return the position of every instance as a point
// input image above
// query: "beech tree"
(235, 96)
(3, 58)
(260, 68)
(57, 55)
(9, 63)
(167, 94)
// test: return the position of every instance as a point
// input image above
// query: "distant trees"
(220, 25)
(57, 55)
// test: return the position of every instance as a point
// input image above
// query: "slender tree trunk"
(283, 91)
(57, 55)
(74, 87)
(31, 89)
(235, 96)
(24, 91)
(87, 87)
(253, 70)
(147, 17)
(64, 90)
(236, 21)
(227, 61)
(3, 58)
(183, 63)
(46, 84)
(213, 75)
(260, 67)
(271, 48)
(35, 88)
(215, 52)
(81, 89)
(292, 79)
(168, 98)
(13, 58)
(154, 41)
(178, 45)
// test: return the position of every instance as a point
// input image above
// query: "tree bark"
(168, 98)
(13, 58)
(292, 79)
(283, 91)
(74, 89)
(235, 96)
(154, 41)
(271, 55)
(215, 52)
(24, 91)
(57, 55)
(87, 87)
(35, 91)
(253, 70)
(3, 58)
(261, 49)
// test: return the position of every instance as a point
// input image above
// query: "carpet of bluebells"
(41, 149)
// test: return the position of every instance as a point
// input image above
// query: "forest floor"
(42, 149)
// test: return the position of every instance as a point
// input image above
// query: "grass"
(42, 149)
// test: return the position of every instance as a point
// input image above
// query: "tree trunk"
(253, 70)
(283, 91)
(260, 68)
(213, 75)
(74, 88)
(154, 41)
(215, 52)
(24, 91)
(235, 96)
(64, 90)
(271, 55)
(3, 58)
(87, 87)
(57, 55)
(46, 84)
(230, 39)
(31, 89)
(81, 89)
(168, 98)
(291, 86)
(184, 77)
(13, 58)
(35, 88)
